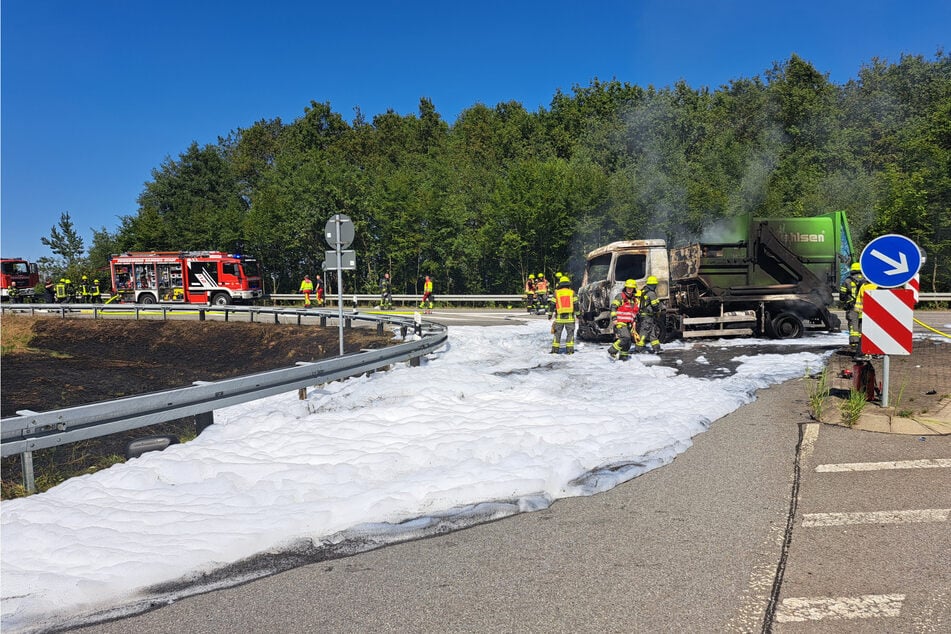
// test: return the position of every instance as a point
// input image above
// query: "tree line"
(503, 192)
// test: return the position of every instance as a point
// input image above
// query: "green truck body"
(749, 276)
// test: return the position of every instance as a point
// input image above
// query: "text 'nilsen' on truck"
(770, 277)
(185, 277)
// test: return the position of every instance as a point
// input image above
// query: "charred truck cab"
(772, 277)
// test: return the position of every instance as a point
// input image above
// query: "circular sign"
(890, 260)
(339, 231)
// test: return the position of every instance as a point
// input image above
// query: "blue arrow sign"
(890, 260)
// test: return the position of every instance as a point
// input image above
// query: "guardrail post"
(203, 420)
(276, 318)
(298, 319)
(201, 314)
(403, 330)
(414, 362)
(379, 327)
(323, 321)
(226, 315)
(347, 323)
(26, 466)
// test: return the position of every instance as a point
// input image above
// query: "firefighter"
(307, 288)
(95, 292)
(563, 305)
(50, 289)
(427, 301)
(530, 293)
(650, 313)
(13, 293)
(859, 300)
(848, 295)
(541, 292)
(62, 290)
(386, 293)
(623, 312)
(319, 290)
(84, 290)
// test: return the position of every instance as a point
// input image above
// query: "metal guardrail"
(401, 298)
(934, 297)
(30, 431)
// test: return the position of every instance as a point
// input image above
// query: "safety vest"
(849, 290)
(428, 286)
(565, 304)
(306, 286)
(61, 289)
(625, 308)
(541, 285)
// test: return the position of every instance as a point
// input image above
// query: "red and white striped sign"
(914, 284)
(887, 321)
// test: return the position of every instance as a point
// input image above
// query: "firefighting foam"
(489, 426)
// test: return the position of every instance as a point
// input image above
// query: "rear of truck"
(768, 276)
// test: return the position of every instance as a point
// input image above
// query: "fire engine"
(24, 274)
(185, 277)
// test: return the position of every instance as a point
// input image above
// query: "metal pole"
(339, 282)
(885, 370)
(26, 468)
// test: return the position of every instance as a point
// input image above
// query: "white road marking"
(809, 437)
(868, 606)
(812, 520)
(930, 463)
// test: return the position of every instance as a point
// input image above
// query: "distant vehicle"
(185, 277)
(19, 271)
(770, 277)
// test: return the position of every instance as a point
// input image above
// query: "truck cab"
(606, 270)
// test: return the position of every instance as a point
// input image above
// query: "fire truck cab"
(185, 277)
(19, 272)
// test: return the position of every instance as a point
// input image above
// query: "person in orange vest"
(563, 306)
(319, 291)
(307, 288)
(427, 301)
(541, 292)
(623, 313)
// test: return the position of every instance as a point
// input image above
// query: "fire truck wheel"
(220, 299)
(146, 298)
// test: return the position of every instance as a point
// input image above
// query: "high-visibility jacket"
(849, 290)
(428, 286)
(649, 304)
(625, 308)
(860, 296)
(307, 286)
(541, 285)
(564, 304)
(61, 289)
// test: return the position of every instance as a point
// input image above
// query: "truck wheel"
(220, 299)
(146, 298)
(786, 326)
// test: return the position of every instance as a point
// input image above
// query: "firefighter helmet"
(855, 267)
(541, 275)
(531, 276)
(630, 284)
(85, 278)
(564, 280)
(651, 281)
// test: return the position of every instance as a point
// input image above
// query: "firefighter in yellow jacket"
(563, 306)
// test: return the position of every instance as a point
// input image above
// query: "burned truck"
(770, 277)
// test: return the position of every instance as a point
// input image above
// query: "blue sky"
(94, 95)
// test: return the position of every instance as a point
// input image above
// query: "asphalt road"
(743, 532)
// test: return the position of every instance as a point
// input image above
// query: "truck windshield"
(598, 268)
(250, 268)
(15, 268)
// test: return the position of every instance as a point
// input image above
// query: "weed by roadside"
(818, 393)
(852, 407)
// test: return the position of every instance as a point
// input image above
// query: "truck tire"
(785, 326)
(147, 298)
(220, 299)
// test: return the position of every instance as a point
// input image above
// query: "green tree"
(67, 245)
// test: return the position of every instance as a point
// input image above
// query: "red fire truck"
(20, 272)
(185, 277)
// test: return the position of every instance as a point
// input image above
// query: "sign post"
(889, 261)
(339, 234)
